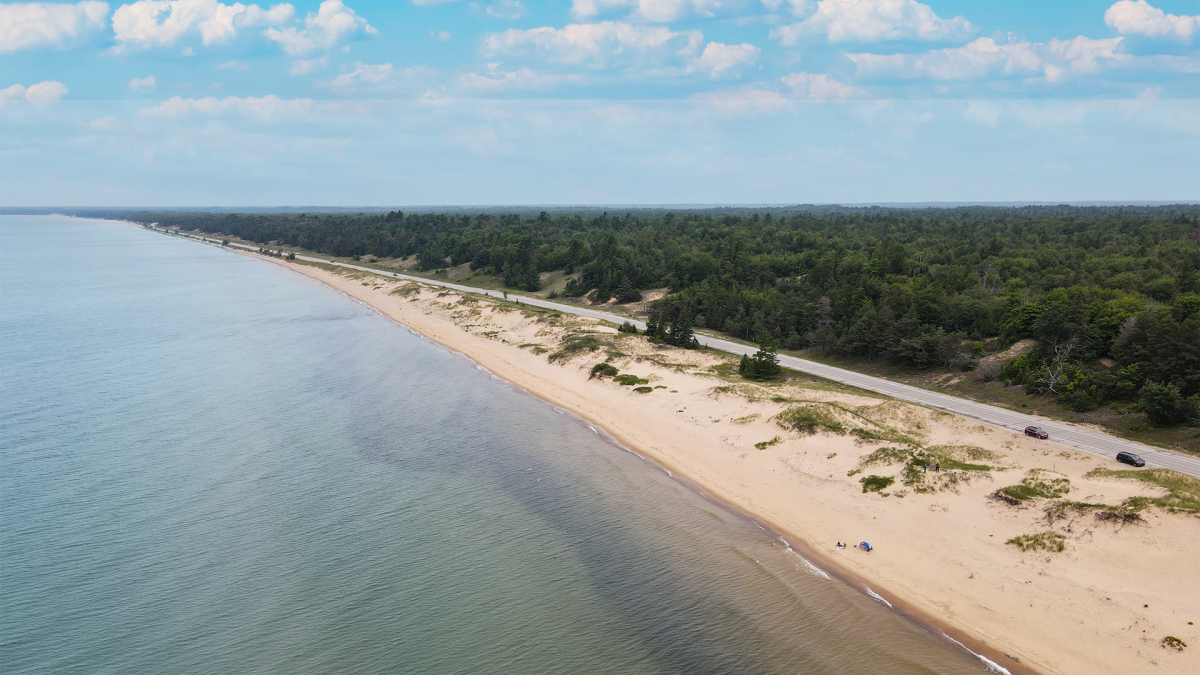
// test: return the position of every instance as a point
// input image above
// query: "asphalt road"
(1096, 443)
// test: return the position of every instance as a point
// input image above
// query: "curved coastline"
(921, 617)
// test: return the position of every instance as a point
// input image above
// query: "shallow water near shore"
(210, 464)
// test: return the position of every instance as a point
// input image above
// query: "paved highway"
(1096, 443)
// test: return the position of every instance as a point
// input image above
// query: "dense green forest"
(1110, 295)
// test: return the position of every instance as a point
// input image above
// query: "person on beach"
(937, 468)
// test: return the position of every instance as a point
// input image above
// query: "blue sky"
(201, 102)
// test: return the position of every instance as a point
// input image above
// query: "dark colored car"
(1130, 458)
(1036, 432)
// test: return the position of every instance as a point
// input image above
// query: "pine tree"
(764, 365)
(680, 333)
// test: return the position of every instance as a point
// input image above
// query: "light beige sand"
(1101, 606)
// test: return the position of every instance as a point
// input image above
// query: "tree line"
(1108, 294)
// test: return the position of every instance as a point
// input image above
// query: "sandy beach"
(942, 551)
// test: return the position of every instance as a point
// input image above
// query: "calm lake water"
(210, 464)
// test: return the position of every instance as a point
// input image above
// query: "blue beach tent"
(866, 547)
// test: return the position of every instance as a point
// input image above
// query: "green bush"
(1164, 405)
(876, 483)
(603, 370)
(643, 390)
(628, 328)
(630, 380)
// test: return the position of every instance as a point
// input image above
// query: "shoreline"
(916, 616)
(941, 620)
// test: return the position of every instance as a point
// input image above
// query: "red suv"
(1036, 432)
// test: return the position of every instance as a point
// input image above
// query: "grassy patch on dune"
(1051, 542)
(630, 380)
(809, 419)
(876, 483)
(405, 290)
(1183, 490)
(1035, 485)
(573, 345)
(886, 456)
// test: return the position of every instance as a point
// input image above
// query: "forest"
(1110, 295)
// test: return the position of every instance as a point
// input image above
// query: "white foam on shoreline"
(807, 566)
(988, 663)
(878, 597)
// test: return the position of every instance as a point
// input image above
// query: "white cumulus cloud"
(362, 74)
(509, 10)
(143, 83)
(305, 67)
(719, 60)
(38, 94)
(24, 25)
(659, 11)
(210, 106)
(600, 45)
(160, 23)
(523, 78)
(872, 21)
(333, 23)
(1130, 17)
(1056, 60)
(820, 87)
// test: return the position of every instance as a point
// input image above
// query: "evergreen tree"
(764, 365)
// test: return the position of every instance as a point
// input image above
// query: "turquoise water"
(210, 464)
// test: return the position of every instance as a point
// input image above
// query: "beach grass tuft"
(1052, 542)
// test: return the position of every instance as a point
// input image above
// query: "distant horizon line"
(8, 210)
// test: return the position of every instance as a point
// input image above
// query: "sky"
(498, 102)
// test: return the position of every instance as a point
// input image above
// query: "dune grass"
(1183, 490)
(1051, 542)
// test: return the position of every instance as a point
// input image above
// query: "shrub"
(603, 370)
(1163, 404)
(630, 380)
(875, 483)
(643, 390)
(628, 328)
